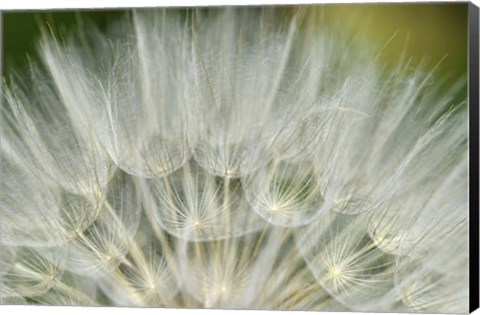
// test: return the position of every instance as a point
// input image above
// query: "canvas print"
(305, 157)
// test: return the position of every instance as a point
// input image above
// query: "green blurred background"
(423, 31)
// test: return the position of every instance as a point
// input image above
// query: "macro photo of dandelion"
(233, 158)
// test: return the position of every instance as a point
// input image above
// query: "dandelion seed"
(285, 194)
(436, 281)
(195, 205)
(345, 261)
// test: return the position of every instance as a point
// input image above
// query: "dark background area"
(424, 32)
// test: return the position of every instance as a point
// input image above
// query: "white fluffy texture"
(285, 194)
(197, 206)
(346, 262)
(231, 158)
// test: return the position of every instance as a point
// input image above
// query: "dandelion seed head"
(231, 158)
